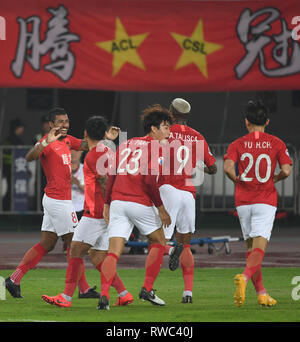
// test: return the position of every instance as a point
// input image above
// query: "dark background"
(218, 116)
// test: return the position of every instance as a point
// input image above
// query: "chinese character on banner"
(21, 179)
(254, 37)
(57, 40)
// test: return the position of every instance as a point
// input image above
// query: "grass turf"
(212, 296)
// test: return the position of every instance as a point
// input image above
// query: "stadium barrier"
(21, 184)
(21, 188)
(211, 242)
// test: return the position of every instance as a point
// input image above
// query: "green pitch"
(213, 298)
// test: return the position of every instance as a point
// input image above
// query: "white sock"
(68, 298)
(123, 293)
(170, 250)
(187, 293)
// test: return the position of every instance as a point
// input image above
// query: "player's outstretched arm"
(229, 170)
(84, 146)
(284, 173)
(35, 152)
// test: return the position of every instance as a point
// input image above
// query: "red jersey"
(184, 161)
(257, 154)
(134, 161)
(56, 163)
(94, 199)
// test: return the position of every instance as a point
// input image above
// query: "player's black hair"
(257, 112)
(95, 127)
(54, 112)
(154, 116)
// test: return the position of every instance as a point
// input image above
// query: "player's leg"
(257, 276)
(31, 258)
(262, 218)
(119, 230)
(124, 297)
(259, 247)
(187, 266)
(74, 271)
(156, 241)
(64, 219)
(109, 269)
(85, 291)
(185, 225)
(244, 214)
(98, 254)
(170, 200)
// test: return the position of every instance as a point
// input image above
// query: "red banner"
(156, 45)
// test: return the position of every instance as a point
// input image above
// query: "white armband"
(44, 143)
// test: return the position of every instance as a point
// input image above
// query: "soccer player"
(59, 214)
(131, 195)
(92, 229)
(256, 155)
(178, 192)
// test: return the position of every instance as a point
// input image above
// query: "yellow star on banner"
(123, 48)
(195, 49)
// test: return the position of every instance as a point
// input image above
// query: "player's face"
(62, 121)
(164, 129)
(161, 133)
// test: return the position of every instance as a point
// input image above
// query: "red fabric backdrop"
(150, 45)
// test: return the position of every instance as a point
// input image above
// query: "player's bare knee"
(249, 243)
(78, 249)
(97, 256)
(157, 237)
(48, 245)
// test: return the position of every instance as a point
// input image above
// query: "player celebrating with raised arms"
(92, 229)
(59, 218)
(131, 195)
(256, 155)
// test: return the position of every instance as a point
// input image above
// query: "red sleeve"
(208, 157)
(231, 153)
(283, 155)
(74, 143)
(152, 189)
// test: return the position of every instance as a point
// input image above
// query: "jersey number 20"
(257, 163)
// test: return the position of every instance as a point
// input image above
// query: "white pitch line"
(27, 320)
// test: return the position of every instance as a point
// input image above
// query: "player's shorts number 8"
(74, 217)
(257, 163)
